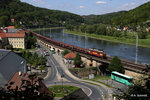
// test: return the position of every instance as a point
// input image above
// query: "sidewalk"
(60, 59)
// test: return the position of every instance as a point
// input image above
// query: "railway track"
(83, 52)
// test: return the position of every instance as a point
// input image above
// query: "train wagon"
(127, 80)
(97, 52)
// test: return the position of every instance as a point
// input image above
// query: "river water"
(123, 51)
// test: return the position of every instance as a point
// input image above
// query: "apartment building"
(17, 40)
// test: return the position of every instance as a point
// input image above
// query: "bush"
(65, 52)
(116, 65)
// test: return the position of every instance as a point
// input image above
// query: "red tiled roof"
(70, 55)
(11, 27)
(17, 81)
(15, 35)
(3, 35)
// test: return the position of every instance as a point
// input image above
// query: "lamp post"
(62, 76)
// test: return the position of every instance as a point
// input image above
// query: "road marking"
(90, 91)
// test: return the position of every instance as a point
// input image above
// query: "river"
(123, 51)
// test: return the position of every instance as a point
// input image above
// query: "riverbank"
(37, 29)
(141, 42)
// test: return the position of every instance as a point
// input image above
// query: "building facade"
(16, 40)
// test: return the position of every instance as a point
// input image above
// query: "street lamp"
(62, 76)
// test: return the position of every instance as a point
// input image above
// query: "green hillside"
(132, 17)
(105, 19)
(135, 16)
(31, 16)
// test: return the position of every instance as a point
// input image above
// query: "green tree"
(42, 67)
(4, 20)
(101, 30)
(116, 65)
(77, 60)
(42, 60)
(65, 52)
(35, 59)
(70, 27)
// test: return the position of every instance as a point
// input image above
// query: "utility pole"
(136, 58)
(63, 35)
(85, 41)
(50, 33)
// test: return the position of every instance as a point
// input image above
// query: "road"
(55, 71)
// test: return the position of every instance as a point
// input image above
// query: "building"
(21, 79)
(69, 58)
(10, 63)
(17, 40)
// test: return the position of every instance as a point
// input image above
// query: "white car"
(46, 53)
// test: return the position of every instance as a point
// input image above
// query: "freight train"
(93, 52)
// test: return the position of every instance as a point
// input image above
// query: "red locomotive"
(97, 52)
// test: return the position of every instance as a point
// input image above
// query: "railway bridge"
(139, 68)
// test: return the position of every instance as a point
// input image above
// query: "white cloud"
(82, 7)
(101, 2)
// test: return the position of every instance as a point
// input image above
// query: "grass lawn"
(142, 42)
(102, 77)
(60, 91)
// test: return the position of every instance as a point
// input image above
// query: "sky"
(87, 7)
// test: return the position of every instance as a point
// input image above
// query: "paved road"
(56, 71)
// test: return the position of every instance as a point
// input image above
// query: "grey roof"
(12, 30)
(3, 53)
(10, 63)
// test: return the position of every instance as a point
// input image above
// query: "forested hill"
(30, 16)
(105, 19)
(134, 17)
